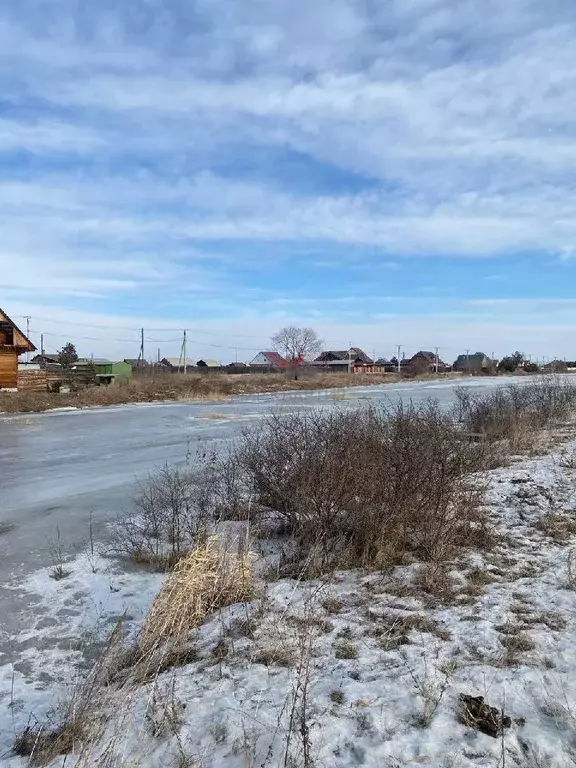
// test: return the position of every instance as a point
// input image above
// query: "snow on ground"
(66, 620)
(361, 669)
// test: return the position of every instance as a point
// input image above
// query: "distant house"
(343, 359)
(177, 364)
(475, 363)
(45, 359)
(269, 360)
(13, 343)
(386, 366)
(97, 362)
(425, 362)
(107, 371)
(212, 365)
(137, 364)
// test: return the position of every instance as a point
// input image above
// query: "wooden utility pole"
(184, 351)
(398, 348)
(141, 356)
(436, 359)
(27, 318)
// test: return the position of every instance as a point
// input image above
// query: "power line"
(87, 338)
(136, 329)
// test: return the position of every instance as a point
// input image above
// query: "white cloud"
(46, 135)
(149, 127)
(208, 207)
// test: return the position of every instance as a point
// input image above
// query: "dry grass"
(394, 629)
(337, 697)
(346, 651)
(332, 605)
(481, 577)
(213, 575)
(165, 386)
(558, 526)
(515, 642)
(275, 655)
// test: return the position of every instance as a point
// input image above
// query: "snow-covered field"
(357, 670)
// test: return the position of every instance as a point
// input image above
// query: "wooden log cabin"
(12, 344)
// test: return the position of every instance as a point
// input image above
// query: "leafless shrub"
(357, 488)
(517, 412)
(57, 555)
(430, 684)
(173, 511)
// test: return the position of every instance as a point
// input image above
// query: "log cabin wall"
(8, 368)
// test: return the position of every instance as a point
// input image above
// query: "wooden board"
(8, 369)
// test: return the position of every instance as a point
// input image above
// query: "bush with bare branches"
(360, 488)
(515, 413)
(173, 510)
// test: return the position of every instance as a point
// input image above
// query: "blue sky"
(390, 173)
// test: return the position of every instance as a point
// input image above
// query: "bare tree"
(297, 344)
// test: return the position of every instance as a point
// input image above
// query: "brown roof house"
(475, 363)
(342, 359)
(12, 344)
(425, 362)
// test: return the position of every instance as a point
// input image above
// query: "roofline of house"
(33, 347)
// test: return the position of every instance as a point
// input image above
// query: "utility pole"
(349, 357)
(27, 318)
(158, 355)
(141, 357)
(467, 361)
(436, 359)
(184, 351)
(41, 343)
(398, 350)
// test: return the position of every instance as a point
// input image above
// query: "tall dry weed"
(215, 574)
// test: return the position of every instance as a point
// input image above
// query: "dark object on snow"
(476, 714)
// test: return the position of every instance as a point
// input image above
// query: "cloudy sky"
(398, 172)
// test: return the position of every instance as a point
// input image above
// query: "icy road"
(59, 468)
